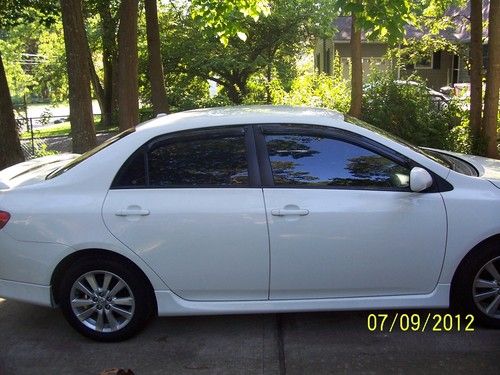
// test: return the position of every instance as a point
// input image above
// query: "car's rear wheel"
(105, 300)
(477, 286)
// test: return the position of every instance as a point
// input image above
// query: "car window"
(303, 160)
(133, 172)
(392, 137)
(88, 154)
(212, 161)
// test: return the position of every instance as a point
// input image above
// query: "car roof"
(243, 115)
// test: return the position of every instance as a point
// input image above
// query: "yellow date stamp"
(420, 322)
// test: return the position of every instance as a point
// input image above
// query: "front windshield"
(88, 154)
(434, 156)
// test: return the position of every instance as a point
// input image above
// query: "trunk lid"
(32, 171)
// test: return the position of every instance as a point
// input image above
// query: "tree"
(156, 76)
(105, 29)
(356, 69)
(128, 85)
(476, 66)
(15, 13)
(490, 119)
(10, 146)
(109, 25)
(227, 18)
(264, 45)
(78, 67)
(381, 19)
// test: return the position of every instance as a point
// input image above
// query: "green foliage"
(12, 46)
(41, 75)
(50, 74)
(407, 111)
(413, 50)
(385, 19)
(315, 90)
(16, 12)
(228, 18)
(41, 150)
(273, 42)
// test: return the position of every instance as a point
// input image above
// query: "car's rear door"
(191, 206)
(342, 219)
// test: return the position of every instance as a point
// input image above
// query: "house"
(439, 69)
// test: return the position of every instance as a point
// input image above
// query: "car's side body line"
(26, 292)
(169, 304)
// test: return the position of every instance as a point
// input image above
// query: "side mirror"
(420, 179)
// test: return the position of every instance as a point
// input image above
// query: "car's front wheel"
(105, 300)
(477, 287)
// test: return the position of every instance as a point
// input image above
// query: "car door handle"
(134, 212)
(285, 212)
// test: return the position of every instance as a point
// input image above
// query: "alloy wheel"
(102, 301)
(486, 289)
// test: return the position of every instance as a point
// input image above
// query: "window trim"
(331, 133)
(194, 134)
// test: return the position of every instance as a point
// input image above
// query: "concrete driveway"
(37, 340)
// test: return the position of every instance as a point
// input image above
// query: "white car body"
(223, 250)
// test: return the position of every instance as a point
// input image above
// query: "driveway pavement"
(36, 340)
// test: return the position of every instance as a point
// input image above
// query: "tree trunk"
(80, 100)
(476, 66)
(234, 94)
(236, 87)
(269, 76)
(94, 79)
(156, 76)
(356, 70)
(128, 84)
(10, 147)
(109, 62)
(490, 119)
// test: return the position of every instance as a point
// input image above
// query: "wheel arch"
(494, 239)
(58, 272)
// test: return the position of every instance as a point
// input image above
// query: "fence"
(37, 139)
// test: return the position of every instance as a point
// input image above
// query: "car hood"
(487, 168)
(32, 171)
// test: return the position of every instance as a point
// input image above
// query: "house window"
(425, 62)
(431, 61)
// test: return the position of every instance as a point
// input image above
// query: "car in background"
(256, 209)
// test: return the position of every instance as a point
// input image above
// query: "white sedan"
(250, 210)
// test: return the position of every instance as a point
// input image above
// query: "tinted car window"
(316, 161)
(199, 162)
(88, 154)
(133, 173)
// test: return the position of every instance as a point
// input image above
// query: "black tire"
(141, 311)
(470, 270)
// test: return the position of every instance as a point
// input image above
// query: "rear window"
(88, 154)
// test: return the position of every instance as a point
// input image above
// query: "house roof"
(460, 33)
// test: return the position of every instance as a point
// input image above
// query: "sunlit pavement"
(37, 340)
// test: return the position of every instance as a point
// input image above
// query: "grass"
(62, 129)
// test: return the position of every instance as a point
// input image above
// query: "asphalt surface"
(37, 340)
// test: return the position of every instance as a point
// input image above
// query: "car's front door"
(191, 206)
(342, 219)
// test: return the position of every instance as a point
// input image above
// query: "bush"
(317, 90)
(408, 111)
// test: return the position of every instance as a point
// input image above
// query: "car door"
(190, 204)
(342, 219)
